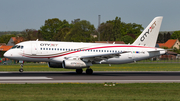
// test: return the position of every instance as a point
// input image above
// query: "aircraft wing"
(102, 56)
(99, 57)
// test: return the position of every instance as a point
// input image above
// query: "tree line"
(83, 31)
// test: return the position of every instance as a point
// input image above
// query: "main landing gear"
(79, 71)
(88, 71)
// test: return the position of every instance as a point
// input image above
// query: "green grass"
(100, 67)
(160, 61)
(90, 92)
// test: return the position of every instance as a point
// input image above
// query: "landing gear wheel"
(21, 70)
(89, 71)
(79, 71)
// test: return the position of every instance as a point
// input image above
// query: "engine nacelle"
(55, 65)
(75, 64)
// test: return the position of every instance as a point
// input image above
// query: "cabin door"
(33, 48)
(130, 54)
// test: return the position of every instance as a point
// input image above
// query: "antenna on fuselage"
(36, 39)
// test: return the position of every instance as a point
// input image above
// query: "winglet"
(149, 36)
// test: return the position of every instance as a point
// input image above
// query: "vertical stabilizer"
(149, 36)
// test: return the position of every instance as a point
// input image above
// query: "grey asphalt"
(96, 77)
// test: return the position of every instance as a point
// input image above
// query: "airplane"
(79, 55)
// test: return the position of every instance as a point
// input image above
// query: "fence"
(5, 61)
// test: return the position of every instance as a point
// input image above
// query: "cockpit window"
(14, 47)
(17, 47)
(22, 47)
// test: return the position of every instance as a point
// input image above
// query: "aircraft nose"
(6, 54)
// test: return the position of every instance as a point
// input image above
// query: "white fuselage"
(52, 51)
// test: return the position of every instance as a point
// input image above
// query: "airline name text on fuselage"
(46, 44)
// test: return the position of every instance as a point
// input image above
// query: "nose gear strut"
(21, 64)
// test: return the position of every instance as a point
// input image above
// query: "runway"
(96, 77)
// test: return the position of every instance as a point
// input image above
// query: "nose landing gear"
(21, 69)
(21, 64)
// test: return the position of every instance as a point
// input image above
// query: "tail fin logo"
(146, 33)
(152, 26)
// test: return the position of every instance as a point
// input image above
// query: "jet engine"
(54, 65)
(75, 64)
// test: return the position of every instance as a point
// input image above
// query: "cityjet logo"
(46, 44)
(149, 30)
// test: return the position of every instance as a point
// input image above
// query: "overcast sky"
(18, 15)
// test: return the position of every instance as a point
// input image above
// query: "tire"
(79, 71)
(21, 70)
(89, 71)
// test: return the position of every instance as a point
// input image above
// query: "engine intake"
(75, 64)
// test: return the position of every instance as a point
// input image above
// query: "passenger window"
(46, 48)
(49, 48)
(104, 50)
(107, 51)
(43, 48)
(57, 48)
(54, 48)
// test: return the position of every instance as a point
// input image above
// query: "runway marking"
(94, 81)
(7, 78)
(5, 72)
